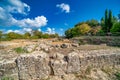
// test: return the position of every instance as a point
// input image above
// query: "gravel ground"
(6, 48)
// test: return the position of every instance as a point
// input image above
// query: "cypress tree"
(105, 29)
(119, 16)
(110, 20)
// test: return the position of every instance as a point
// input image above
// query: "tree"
(68, 33)
(105, 27)
(119, 16)
(27, 35)
(95, 30)
(92, 23)
(54, 35)
(78, 30)
(80, 23)
(45, 36)
(13, 35)
(83, 29)
(102, 22)
(114, 20)
(73, 32)
(108, 21)
(37, 33)
(116, 27)
(1, 34)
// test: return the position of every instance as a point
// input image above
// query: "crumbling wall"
(9, 69)
(40, 66)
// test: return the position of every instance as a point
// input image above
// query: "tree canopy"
(0, 34)
(108, 24)
(78, 30)
(107, 21)
(27, 35)
(116, 27)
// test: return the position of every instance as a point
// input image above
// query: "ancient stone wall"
(40, 66)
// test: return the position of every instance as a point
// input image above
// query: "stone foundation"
(41, 66)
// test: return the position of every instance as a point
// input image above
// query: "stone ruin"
(43, 63)
(41, 66)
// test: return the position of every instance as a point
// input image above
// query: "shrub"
(117, 76)
(116, 27)
(100, 33)
(83, 29)
(78, 30)
(34, 37)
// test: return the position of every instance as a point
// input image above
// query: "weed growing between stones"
(88, 70)
(7, 78)
(20, 50)
(117, 75)
(107, 70)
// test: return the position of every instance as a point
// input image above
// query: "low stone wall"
(9, 69)
(108, 40)
(41, 65)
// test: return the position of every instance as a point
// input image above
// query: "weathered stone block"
(58, 67)
(73, 63)
(33, 67)
(9, 69)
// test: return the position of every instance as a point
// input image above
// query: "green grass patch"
(107, 70)
(7, 78)
(20, 50)
(117, 75)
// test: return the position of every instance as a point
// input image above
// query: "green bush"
(101, 33)
(117, 76)
(116, 27)
(34, 37)
(20, 50)
(7, 78)
(5, 39)
(78, 30)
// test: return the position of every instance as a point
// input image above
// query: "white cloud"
(64, 7)
(50, 30)
(16, 31)
(6, 18)
(20, 31)
(37, 22)
(9, 31)
(15, 6)
(27, 29)
(7, 7)
(39, 30)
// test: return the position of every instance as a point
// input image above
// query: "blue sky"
(51, 16)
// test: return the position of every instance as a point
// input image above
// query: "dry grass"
(93, 47)
(16, 43)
